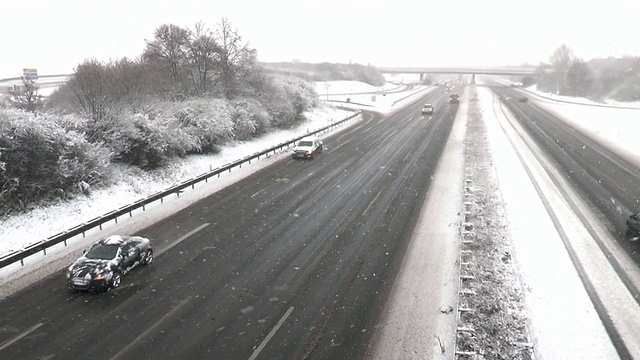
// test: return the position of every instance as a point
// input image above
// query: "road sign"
(30, 74)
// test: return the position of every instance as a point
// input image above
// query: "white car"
(307, 148)
(427, 109)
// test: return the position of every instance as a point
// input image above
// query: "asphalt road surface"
(604, 179)
(293, 262)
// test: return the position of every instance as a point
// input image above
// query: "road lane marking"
(266, 340)
(150, 329)
(370, 204)
(183, 237)
(254, 195)
(17, 338)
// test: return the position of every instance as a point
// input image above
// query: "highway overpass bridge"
(471, 70)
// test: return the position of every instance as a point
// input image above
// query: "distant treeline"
(597, 79)
(329, 71)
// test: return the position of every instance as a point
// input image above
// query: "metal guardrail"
(369, 105)
(20, 255)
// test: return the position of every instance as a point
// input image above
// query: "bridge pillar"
(473, 78)
(421, 78)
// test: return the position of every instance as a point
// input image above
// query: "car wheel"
(148, 257)
(115, 280)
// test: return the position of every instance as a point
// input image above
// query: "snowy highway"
(582, 271)
(355, 254)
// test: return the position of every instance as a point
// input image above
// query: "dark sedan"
(102, 266)
(633, 225)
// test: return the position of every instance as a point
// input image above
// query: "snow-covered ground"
(556, 336)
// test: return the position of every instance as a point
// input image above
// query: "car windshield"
(305, 143)
(102, 252)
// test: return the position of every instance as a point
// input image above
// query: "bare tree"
(236, 60)
(129, 82)
(203, 51)
(561, 61)
(27, 96)
(171, 46)
(89, 89)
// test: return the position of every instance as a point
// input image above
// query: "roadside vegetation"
(190, 91)
(597, 79)
(492, 323)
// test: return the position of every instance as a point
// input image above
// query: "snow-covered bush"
(40, 160)
(250, 118)
(148, 143)
(287, 99)
(208, 122)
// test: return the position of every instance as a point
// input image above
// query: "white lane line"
(150, 329)
(17, 338)
(370, 204)
(271, 334)
(183, 237)
(254, 195)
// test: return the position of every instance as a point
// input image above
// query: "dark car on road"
(633, 225)
(454, 98)
(102, 266)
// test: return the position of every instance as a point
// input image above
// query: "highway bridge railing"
(98, 222)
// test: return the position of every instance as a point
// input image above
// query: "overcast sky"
(54, 36)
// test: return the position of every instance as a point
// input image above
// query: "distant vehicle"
(102, 267)
(427, 109)
(307, 148)
(454, 98)
(633, 225)
(523, 99)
